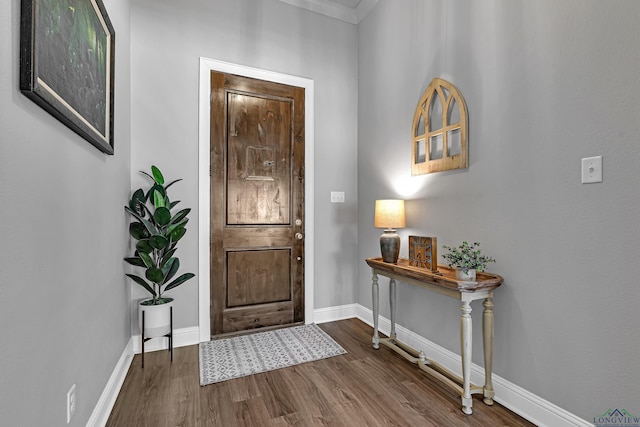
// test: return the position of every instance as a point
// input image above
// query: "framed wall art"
(423, 252)
(439, 133)
(67, 51)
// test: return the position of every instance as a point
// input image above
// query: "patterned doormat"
(229, 358)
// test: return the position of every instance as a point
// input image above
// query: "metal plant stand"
(169, 335)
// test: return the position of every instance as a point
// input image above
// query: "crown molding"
(335, 10)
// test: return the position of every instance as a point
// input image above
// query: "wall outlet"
(71, 403)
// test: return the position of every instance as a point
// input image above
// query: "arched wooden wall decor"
(439, 132)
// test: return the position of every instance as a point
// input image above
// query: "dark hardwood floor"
(364, 387)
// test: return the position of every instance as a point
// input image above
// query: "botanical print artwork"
(72, 56)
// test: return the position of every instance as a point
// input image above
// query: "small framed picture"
(423, 252)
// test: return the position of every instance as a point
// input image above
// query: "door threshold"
(256, 330)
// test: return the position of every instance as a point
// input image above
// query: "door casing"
(206, 66)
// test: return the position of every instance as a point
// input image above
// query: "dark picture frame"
(67, 58)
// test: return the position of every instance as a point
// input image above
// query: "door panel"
(258, 277)
(258, 160)
(257, 204)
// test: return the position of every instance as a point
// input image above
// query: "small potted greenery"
(466, 259)
(156, 231)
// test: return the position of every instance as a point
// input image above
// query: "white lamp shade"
(389, 214)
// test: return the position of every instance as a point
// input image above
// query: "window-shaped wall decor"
(439, 131)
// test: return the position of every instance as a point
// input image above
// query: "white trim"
(103, 408)
(327, 8)
(331, 314)
(206, 66)
(364, 7)
(335, 10)
(181, 338)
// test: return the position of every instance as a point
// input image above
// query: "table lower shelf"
(436, 370)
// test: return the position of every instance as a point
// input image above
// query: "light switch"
(591, 169)
(337, 197)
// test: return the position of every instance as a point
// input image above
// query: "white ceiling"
(352, 11)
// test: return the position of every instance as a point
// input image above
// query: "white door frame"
(206, 66)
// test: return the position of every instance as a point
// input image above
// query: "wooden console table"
(443, 282)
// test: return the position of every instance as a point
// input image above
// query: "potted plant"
(466, 259)
(156, 231)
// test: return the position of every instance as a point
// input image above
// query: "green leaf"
(147, 173)
(171, 183)
(172, 227)
(133, 213)
(180, 280)
(180, 216)
(173, 204)
(150, 227)
(158, 199)
(137, 201)
(162, 216)
(168, 233)
(137, 261)
(172, 269)
(144, 246)
(154, 274)
(157, 175)
(146, 210)
(158, 242)
(140, 281)
(177, 234)
(146, 258)
(153, 189)
(167, 256)
(138, 231)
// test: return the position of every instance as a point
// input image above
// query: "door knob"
(299, 236)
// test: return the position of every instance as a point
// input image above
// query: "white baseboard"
(103, 408)
(531, 407)
(524, 403)
(331, 314)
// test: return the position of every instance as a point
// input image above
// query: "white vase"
(157, 318)
(468, 276)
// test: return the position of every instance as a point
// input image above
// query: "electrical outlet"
(71, 403)
(337, 197)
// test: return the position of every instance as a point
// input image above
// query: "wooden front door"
(257, 204)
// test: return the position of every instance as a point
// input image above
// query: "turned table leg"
(465, 344)
(487, 336)
(392, 306)
(375, 294)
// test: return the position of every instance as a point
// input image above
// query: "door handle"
(299, 236)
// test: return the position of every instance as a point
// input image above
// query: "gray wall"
(168, 38)
(546, 83)
(63, 298)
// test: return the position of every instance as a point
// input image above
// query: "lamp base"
(390, 246)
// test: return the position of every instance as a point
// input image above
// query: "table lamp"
(389, 214)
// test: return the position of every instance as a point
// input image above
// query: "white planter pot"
(157, 318)
(469, 276)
